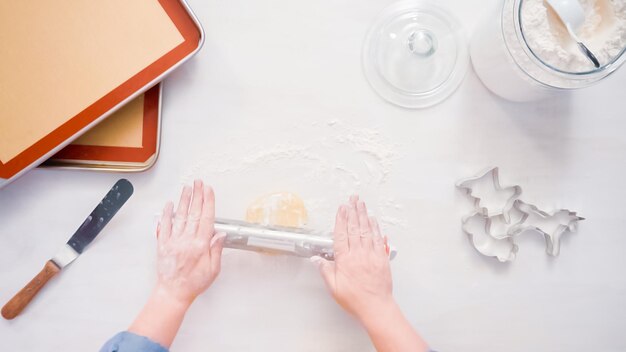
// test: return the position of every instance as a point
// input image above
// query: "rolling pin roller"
(279, 240)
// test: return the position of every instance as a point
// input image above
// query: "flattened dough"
(278, 209)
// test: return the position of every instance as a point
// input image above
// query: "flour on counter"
(345, 158)
(604, 32)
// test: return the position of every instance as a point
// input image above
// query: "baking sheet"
(66, 64)
(128, 140)
(124, 128)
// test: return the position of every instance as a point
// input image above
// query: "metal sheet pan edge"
(130, 168)
(5, 182)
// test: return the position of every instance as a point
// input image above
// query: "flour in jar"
(604, 32)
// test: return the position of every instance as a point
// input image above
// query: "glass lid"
(415, 55)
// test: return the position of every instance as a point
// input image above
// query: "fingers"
(365, 231)
(378, 241)
(387, 247)
(340, 233)
(164, 230)
(181, 212)
(327, 269)
(354, 237)
(207, 217)
(216, 238)
(217, 245)
(353, 200)
(195, 210)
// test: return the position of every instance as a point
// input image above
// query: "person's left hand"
(189, 251)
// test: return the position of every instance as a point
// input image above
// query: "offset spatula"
(95, 222)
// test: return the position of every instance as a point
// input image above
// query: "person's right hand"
(360, 280)
(360, 277)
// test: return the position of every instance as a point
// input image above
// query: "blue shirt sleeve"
(129, 342)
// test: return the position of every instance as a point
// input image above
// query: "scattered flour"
(345, 158)
(604, 32)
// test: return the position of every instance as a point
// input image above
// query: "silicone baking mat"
(66, 64)
(128, 140)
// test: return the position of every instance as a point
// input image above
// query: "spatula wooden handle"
(22, 298)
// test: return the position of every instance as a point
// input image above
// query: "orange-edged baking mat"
(65, 65)
(128, 140)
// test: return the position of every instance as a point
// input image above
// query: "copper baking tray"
(127, 141)
(66, 65)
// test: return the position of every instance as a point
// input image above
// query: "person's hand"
(188, 261)
(189, 251)
(360, 277)
(360, 280)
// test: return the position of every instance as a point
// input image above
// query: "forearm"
(160, 318)
(391, 332)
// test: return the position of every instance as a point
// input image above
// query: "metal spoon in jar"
(573, 17)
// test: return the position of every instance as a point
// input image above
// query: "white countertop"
(264, 107)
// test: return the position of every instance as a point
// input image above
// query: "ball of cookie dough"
(278, 209)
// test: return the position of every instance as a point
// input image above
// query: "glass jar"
(507, 65)
(415, 54)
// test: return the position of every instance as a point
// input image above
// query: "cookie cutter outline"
(487, 229)
(494, 172)
(553, 240)
(500, 227)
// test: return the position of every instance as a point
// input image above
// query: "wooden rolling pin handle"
(15, 306)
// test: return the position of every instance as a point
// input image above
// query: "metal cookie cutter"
(500, 227)
(492, 229)
(551, 225)
(467, 186)
(477, 228)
